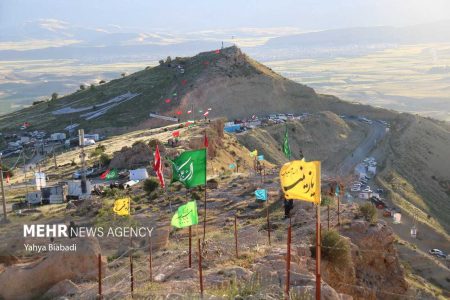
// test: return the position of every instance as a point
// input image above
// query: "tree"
(123, 74)
(101, 82)
(54, 96)
(104, 159)
(168, 60)
(92, 87)
(150, 185)
(82, 87)
(161, 62)
(369, 212)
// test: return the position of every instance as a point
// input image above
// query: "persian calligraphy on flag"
(189, 168)
(286, 148)
(300, 180)
(261, 194)
(122, 206)
(186, 215)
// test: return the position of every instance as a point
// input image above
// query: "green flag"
(186, 215)
(286, 148)
(189, 168)
(113, 174)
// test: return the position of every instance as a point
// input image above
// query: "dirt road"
(376, 133)
(416, 253)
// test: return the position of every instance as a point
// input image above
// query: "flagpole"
(204, 214)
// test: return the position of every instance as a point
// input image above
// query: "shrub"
(150, 185)
(334, 248)
(105, 159)
(369, 212)
(326, 201)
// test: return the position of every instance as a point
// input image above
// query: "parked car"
(378, 203)
(380, 191)
(89, 172)
(438, 253)
(356, 189)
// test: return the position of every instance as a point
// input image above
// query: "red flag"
(189, 111)
(183, 82)
(104, 174)
(206, 113)
(167, 100)
(157, 167)
(205, 141)
(179, 112)
(176, 133)
(7, 177)
(217, 51)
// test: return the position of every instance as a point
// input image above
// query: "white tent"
(138, 174)
(40, 180)
(397, 218)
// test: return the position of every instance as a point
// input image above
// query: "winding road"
(376, 133)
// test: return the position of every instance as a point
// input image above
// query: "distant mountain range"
(73, 42)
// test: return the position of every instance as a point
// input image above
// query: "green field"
(413, 79)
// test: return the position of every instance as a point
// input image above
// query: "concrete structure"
(54, 194)
(34, 197)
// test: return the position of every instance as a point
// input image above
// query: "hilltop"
(226, 80)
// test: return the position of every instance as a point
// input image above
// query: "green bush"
(150, 185)
(326, 201)
(369, 212)
(334, 248)
(105, 159)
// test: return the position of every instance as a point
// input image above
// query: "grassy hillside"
(323, 136)
(417, 170)
(229, 82)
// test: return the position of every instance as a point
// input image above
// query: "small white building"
(58, 136)
(74, 190)
(138, 174)
(40, 180)
(372, 169)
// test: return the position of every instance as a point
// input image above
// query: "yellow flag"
(122, 206)
(254, 153)
(300, 180)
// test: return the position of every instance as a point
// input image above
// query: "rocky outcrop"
(137, 155)
(376, 272)
(31, 281)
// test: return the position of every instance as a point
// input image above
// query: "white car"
(355, 189)
(367, 190)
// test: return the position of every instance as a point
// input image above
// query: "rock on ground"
(20, 282)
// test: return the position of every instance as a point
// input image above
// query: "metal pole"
(131, 267)
(190, 246)
(318, 242)
(339, 215)
(288, 260)
(150, 259)
(131, 274)
(5, 217)
(200, 268)
(204, 218)
(328, 212)
(268, 219)
(99, 276)
(235, 236)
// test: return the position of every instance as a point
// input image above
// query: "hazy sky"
(179, 15)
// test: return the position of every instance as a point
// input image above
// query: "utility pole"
(54, 158)
(3, 190)
(83, 161)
